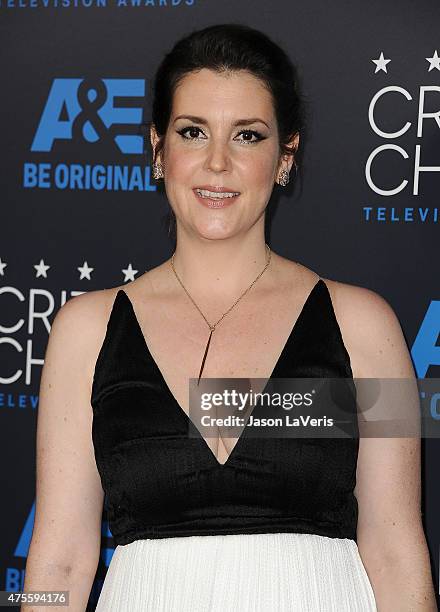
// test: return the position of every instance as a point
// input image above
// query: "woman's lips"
(215, 202)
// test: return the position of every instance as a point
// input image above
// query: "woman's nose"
(218, 157)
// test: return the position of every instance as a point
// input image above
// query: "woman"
(212, 523)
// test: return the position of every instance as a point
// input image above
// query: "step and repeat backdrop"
(80, 210)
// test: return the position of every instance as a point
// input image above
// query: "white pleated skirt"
(280, 572)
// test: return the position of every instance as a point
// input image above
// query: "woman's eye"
(193, 132)
(251, 133)
(192, 129)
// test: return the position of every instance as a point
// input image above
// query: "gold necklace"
(212, 327)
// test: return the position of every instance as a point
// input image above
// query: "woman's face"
(222, 134)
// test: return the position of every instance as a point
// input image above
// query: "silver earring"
(284, 178)
(157, 171)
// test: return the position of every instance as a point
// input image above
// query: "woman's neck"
(222, 267)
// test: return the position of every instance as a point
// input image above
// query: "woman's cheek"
(262, 173)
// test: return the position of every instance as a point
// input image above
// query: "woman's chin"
(214, 231)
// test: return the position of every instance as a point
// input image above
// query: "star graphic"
(41, 269)
(2, 267)
(129, 273)
(434, 61)
(85, 271)
(381, 63)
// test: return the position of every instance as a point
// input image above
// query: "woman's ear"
(293, 145)
(287, 160)
(154, 139)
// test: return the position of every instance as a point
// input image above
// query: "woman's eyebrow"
(239, 122)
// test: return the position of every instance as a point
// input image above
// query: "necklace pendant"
(204, 356)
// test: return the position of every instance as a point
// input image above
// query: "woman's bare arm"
(390, 534)
(65, 545)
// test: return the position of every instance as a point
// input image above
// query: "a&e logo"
(87, 112)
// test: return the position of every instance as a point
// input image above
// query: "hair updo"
(231, 47)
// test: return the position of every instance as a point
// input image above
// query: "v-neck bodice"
(160, 481)
(278, 365)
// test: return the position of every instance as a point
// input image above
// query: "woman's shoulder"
(370, 328)
(371, 331)
(92, 309)
(85, 317)
(359, 309)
